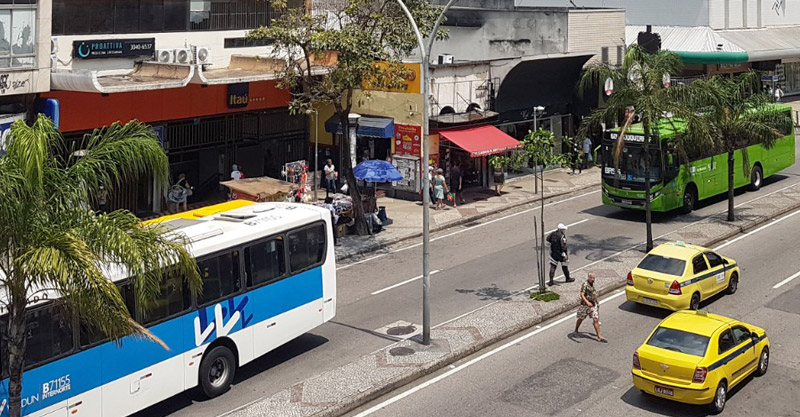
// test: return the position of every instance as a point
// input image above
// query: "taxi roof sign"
(701, 313)
(680, 243)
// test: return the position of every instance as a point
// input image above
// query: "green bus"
(676, 185)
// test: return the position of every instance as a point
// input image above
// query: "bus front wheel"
(216, 371)
(756, 177)
(689, 199)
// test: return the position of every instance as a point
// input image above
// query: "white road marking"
(416, 245)
(772, 223)
(786, 281)
(472, 362)
(401, 283)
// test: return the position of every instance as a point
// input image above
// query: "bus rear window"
(679, 341)
(663, 265)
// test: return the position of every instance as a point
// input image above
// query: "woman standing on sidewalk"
(499, 180)
(439, 188)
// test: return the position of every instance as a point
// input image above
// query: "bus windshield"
(631, 164)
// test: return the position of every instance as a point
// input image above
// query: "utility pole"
(424, 53)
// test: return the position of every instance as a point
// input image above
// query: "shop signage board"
(410, 84)
(238, 95)
(113, 48)
(407, 140)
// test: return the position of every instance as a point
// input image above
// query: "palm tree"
(638, 88)
(735, 114)
(52, 243)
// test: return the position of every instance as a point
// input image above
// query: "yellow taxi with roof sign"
(695, 357)
(677, 276)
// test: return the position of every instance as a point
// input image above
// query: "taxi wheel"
(720, 397)
(733, 283)
(763, 362)
(695, 303)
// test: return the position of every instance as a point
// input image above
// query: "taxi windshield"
(663, 265)
(679, 341)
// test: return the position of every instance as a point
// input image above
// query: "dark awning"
(377, 127)
(481, 140)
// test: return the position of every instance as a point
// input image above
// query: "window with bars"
(17, 33)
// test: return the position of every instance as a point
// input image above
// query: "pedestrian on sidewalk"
(558, 253)
(440, 188)
(329, 171)
(102, 200)
(589, 307)
(587, 152)
(456, 184)
(575, 155)
(499, 180)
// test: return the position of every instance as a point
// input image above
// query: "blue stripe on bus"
(89, 369)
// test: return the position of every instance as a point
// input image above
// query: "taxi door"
(699, 270)
(715, 265)
(724, 365)
(746, 356)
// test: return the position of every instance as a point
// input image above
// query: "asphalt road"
(478, 263)
(552, 373)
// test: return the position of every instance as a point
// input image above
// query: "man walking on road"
(589, 307)
(558, 253)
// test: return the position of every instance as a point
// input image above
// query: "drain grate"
(401, 351)
(401, 330)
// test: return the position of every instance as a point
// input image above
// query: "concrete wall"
(495, 34)
(36, 79)
(592, 30)
(458, 86)
(737, 14)
(644, 12)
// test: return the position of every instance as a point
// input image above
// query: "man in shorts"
(589, 307)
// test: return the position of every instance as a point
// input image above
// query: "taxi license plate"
(628, 202)
(650, 301)
(664, 391)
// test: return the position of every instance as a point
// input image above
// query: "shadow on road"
(285, 353)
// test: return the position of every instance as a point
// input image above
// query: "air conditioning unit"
(201, 54)
(445, 59)
(183, 56)
(165, 56)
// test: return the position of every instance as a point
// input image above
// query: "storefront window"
(17, 34)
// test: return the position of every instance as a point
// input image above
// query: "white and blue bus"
(269, 276)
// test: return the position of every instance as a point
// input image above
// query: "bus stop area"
(406, 216)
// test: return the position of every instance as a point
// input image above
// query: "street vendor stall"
(260, 189)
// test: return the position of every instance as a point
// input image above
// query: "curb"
(370, 395)
(372, 247)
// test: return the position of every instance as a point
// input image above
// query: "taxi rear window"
(663, 265)
(679, 341)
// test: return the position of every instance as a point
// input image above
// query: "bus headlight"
(655, 195)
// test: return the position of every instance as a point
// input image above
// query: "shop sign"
(410, 84)
(629, 138)
(407, 140)
(113, 48)
(238, 95)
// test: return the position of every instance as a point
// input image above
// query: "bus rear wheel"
(756, 178)
(217, 371)
(689, 199)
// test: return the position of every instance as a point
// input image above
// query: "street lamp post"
(316, 149)
(423, 69)
(536, 111)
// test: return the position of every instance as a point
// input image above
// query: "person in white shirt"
(330, 177)
(236, 174)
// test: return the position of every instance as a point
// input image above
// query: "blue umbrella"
(376, 171)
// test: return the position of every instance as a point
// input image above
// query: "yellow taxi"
(677, 276)
(695, 357)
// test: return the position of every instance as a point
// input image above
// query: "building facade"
(186, 68)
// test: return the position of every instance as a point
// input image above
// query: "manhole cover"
(401, 330)
(401, 351)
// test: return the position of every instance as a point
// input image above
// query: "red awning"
(481, 141)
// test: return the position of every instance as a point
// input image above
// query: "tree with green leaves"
(733, 114)
(639, 90)
(53, 245)
(359, 34)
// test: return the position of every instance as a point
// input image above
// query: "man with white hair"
(558, 253)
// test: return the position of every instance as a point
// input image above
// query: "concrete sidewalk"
(340, 390)
(406, 216)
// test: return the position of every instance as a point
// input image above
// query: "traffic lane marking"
(416, 278)
(772, 223)
(786, 281)
(463, 366)
(416, 245)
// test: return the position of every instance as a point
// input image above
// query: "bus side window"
(306, 247)
(89, 334)
(174, 298)
(49, 333)
(264, 262)
(220, 276)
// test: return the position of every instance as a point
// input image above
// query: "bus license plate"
(628, 202)
(664, 391)
(650, 301)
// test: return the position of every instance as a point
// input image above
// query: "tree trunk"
(352, 185)
(648, 215)
(16, 354)
(730, 186)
